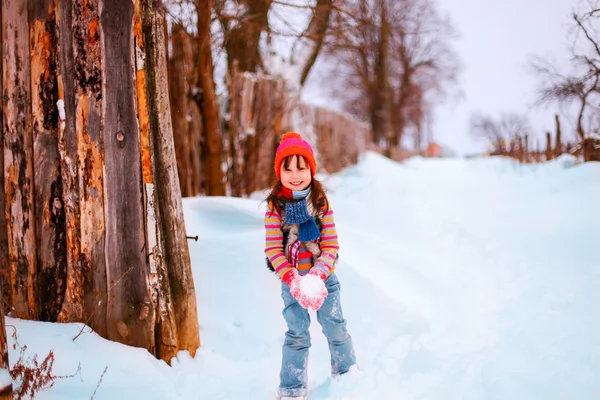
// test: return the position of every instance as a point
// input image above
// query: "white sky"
(497, 40)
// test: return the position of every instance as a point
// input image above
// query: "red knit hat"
(292, 144)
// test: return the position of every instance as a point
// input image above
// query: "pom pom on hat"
(290, 135)
(292, 144)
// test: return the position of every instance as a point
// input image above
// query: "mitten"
(304, 300)
(318, 300)
(289, 276)
(319, 273)
(292, 278)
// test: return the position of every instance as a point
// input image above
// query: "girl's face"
(295, 173)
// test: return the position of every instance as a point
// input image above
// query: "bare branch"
(586, 33)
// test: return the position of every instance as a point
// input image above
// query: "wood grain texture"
(18, 158)
(126, 264)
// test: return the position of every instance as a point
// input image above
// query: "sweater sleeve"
(274, 241)
(329, 243)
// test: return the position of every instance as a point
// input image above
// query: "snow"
(461, 279)
(311, 286)
(5, 379)
(60, 105)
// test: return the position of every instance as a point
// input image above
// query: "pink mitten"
(317, 301)
(292, 278)
(319, 273)
(304, 300)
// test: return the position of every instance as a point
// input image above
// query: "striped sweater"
(278, 235)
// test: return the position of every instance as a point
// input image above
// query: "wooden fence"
(260, 112)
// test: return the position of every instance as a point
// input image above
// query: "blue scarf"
(296, 212)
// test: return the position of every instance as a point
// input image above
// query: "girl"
(301, 244)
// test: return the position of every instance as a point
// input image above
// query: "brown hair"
(317, 193)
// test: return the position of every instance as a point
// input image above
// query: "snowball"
(311, 285)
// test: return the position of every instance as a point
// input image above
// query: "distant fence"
(339, 139)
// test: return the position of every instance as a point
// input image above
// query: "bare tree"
(581, 86)
(213, 143)
(243, 22)
(396, 58)
(503, 135)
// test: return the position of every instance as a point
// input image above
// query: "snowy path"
(463, 279)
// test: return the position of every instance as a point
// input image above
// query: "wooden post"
(49, 210)
(18, 158)
(549, 151)
(177, 315)
(129, 301)
(558, 148)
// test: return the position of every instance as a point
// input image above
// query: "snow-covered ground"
(461, 279)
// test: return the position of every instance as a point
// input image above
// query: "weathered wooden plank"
(18, 158)
(127, 266)
(4, 271)
(175, 272)
(153, 249)
(90, 275)
(49, 210)
(67, 145)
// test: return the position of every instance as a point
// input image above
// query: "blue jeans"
(293, 376)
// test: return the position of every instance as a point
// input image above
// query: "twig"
(99, 382)
(14, 335)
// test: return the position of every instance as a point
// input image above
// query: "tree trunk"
(18, 159)
(195, 139)
(243, 37)
(196, 132)
(178, 102)
(177, 317)
(317, 28)
(236, 96)
(382, 109)
(213, 142)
